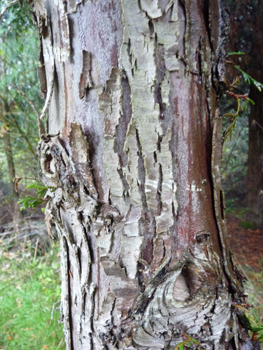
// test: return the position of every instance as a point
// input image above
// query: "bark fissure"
(159, 191)
(141, 173)
(125, 118)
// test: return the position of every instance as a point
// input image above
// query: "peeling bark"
(133, 151)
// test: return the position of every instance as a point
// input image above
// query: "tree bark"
(133, 150)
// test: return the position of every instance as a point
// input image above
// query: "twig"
(231, 62)
(28, 100)
(7, 7)
(60, 342)
(41, 127)
(245, 96)
(254, 122)
(17, 179)
(54, 309)
(35, 253)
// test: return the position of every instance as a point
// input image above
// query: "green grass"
(254, 288)
(29, 287)
(248, 225)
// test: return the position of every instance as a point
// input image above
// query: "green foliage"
(18, 70)
(18, 18)
(248, 79)
(248, 225)
(254, 326)
(33, 202)
(233, 118)
(234, 162)
(29, 288)
(30, 202)
(246, 102)
(254, 288)
(188, 342)
(235, 53)
(41, 190)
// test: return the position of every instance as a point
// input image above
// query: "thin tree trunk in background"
(255, 158)
(12, 174)
(255, 142)
(133, 149)
(9, 158)
(11, 170)
(246, 35)
(5, 134)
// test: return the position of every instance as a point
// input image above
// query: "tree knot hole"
(202, 236)
(49, 164)
(187, 283)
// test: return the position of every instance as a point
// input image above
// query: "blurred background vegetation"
(29, 260)
(18, 69)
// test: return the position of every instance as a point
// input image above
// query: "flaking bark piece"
(85, 81)
(80, 157)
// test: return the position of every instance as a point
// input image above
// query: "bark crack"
(141, 173)
(159, 191)
(124, 121)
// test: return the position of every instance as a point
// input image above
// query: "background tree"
(246, 35)
(18, 88)
(131, 157)
(29, 262)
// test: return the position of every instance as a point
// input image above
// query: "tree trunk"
(133, 150)
(255, 157)
(11, 173)
(5, 134)
(9, 158)
(247, 35)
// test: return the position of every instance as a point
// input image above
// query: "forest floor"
(247, 245)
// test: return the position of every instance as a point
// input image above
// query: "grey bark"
(138, 205)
